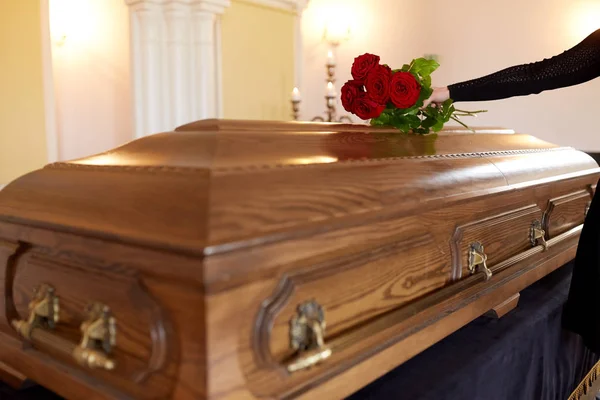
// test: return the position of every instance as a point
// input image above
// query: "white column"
(175, 62)
(179, 72)
(204, 63)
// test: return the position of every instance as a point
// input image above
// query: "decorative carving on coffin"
(9, 254)
(565, 212)
(79, 284)
(380, 160)
(502, 236)
(383, 279)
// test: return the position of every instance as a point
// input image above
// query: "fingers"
(429, 102)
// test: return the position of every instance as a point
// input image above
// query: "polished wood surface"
(505, 307)
(11, 377)
(205, 243)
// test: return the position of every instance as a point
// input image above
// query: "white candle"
(330, 59)
(330, 90)
(296, 95)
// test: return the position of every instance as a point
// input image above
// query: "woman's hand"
(438, 96)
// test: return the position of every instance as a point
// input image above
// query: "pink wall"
(472, 38)
(91, 76)
(384, 27)
(482, 37)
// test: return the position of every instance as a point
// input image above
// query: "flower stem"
(470, 112)
(460, 122)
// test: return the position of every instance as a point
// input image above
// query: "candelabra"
(330, 97)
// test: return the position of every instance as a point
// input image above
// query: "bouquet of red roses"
(395, 97)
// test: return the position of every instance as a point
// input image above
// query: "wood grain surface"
(204, 242)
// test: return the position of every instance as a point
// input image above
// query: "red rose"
(367, 108)
(350, 91)
(362, 65)
(404, 90)
(378, 83)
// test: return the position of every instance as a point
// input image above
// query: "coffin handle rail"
(478, 260)
(537, 235)
(307, 332)
(395, 318)
(98, 331)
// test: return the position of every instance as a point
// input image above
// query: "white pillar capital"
(295, 6)
(217, 6)
(175, 47)
(212, 6)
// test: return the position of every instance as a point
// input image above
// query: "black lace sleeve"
(574, 66)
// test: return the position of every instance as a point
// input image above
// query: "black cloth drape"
(526, 355)
(582, 310)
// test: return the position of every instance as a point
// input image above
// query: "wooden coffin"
(254, 260)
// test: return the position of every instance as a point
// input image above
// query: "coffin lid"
(215, 185)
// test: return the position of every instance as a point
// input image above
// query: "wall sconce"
(583, 20)
(330, 96)
(75, 21)
(59, 38)
(336, 31)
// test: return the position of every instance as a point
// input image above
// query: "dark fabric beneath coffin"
(29, 393)
(524, 355)
(582, 310)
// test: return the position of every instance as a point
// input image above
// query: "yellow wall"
(22, 129)
(258, 62)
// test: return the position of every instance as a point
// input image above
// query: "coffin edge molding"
(280, 166)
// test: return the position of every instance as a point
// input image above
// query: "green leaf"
(425, 93)
(424, 66)
(447, 109)
(413, 121)
(383, 119)
(405, 68)
(426, 81)
(428, 122)
(412, 111)
(401, 123)
(439, 124)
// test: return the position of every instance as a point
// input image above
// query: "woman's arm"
(574, 66)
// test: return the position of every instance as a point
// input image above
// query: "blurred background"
(78, 77)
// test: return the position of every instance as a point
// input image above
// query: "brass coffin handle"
(537, 236)
(44, 312)
(98, 337)
(478, 260)
(98, 331)
(307, 337)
